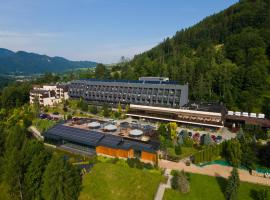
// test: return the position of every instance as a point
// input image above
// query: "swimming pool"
(225, 163)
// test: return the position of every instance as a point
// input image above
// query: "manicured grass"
(207, 187)
(187, 151)
(118, 182)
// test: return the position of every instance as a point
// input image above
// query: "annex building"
(102, 143)
(153, 91)
(209, 115)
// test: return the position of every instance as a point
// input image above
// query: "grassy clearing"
(207, 187)
(43, 124)
(119, 182)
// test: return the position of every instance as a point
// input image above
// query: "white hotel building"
(49, 95)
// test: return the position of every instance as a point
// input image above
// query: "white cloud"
(27, 41)
(8, 34)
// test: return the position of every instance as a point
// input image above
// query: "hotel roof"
(132, 81)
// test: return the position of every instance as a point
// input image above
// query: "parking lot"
(224, 133)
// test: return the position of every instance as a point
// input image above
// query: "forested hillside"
(224, 58)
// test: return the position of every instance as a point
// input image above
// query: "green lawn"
(119, 182)
(207, 187)
(187, 151)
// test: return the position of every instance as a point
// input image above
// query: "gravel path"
(214, 170)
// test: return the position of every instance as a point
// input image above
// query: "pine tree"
(172, 126)
(240, 134)
(178, 150)
(233, 152)
(180, 182)
(106, 112)
(232, 185)
(61, 180)
(180, 140)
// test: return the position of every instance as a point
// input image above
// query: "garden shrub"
(69, 117)
(136, 163)
(188, 142)
(115, 160)
(180, 182)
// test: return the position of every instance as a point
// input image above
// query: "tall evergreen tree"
(61, 180)
(233, 152)
(232, 185)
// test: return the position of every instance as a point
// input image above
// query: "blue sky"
(99, 30)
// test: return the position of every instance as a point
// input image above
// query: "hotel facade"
(153, 91)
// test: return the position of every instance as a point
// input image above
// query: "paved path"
(163, 186)
(214, 170)
(36, 133)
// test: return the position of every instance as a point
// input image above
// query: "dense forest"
(28, 169)
(223, 58)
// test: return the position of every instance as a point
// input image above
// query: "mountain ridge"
(23, 62)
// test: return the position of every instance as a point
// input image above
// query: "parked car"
(202, 137)
(190, 134)
(43, 116)
(181, 132)
(213, 138)
(219, 138)
(196, 137)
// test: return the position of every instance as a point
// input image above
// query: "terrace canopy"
(94, 125)
(135, 133)
(110, 127)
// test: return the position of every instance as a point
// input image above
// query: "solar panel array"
(111, 141)
(74, 134)
(138, 146)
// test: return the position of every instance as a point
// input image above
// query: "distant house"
(48, 95)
